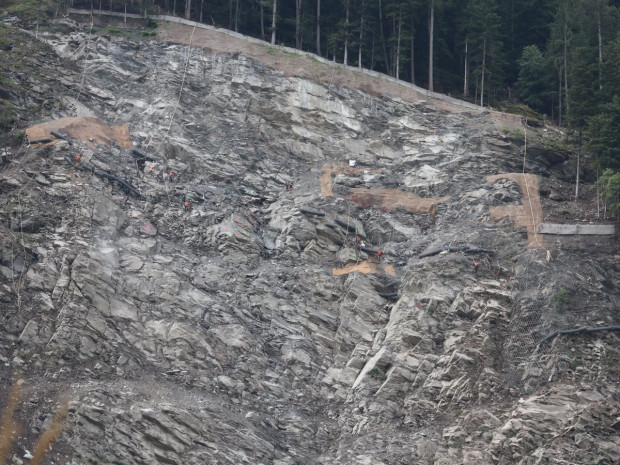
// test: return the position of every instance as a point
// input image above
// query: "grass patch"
(116, 32)
(30, 10)
(560, 300)
(520, 109)
(556, 144)
(148, 33)
(514, 134)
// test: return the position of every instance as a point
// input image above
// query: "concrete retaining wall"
(577, 229)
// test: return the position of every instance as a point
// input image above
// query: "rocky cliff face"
(246, 331)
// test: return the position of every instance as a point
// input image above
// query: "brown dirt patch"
(365, 267)
(391, 199)
(530, 214)
(341, 168)
(83, 128)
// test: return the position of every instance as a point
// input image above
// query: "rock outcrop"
(228, 333)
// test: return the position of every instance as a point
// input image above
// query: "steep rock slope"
(233, 333)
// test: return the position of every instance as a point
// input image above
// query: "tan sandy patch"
(83, 128)
(365, 267)
(530, 214)
(391, 199)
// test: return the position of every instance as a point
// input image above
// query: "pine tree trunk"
(273, 22)
(476, 91)
(346, 36)
(560, 98)
(484, 57)
(430, 45)
(372, 52)
(600, 45)
(230, 14)
(577, 181)
(385, 55)
(397, 71)
(237, 17)
(359, 55)
(465, 83)
(598, 195)
(201, 8)
(188, 8)
(298, 24)
(566, 62)
(412, 50)
(262, 21)
(318, 27)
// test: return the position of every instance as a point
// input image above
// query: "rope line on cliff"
(176, 106)
(90, 31)
(529, 198)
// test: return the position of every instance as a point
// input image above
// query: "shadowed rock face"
(221, 335)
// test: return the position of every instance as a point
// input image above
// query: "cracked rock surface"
(223, 335)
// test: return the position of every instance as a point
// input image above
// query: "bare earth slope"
(246, 331)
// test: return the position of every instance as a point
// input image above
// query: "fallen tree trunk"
(389, 295)
(105, 175)
(371, 251)
(577, 331)
(430, 253)
(480, 251)
(350, 227)
(44, 140)
(137, 154)
(465, 249)
(307, 211)
(58, 135)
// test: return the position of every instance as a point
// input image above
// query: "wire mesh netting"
(547, 296)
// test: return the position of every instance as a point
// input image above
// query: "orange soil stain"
(530, 214)
(83, 128)
(391, 199)
(365, 267)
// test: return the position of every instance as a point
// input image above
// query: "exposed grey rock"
(222, 335)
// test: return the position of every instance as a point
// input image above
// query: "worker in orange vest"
(77, 160)
(186, 206)
(171, 176)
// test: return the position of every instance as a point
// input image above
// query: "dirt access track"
(294, 62)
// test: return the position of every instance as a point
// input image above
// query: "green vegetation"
(609, 183)
(556, 144)
(6, 121)
(377, 374)
(150, 28)
(560, 300)
(30, 11)
(514, 134)
(560, 297)
(114, 31)
(151, 23)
